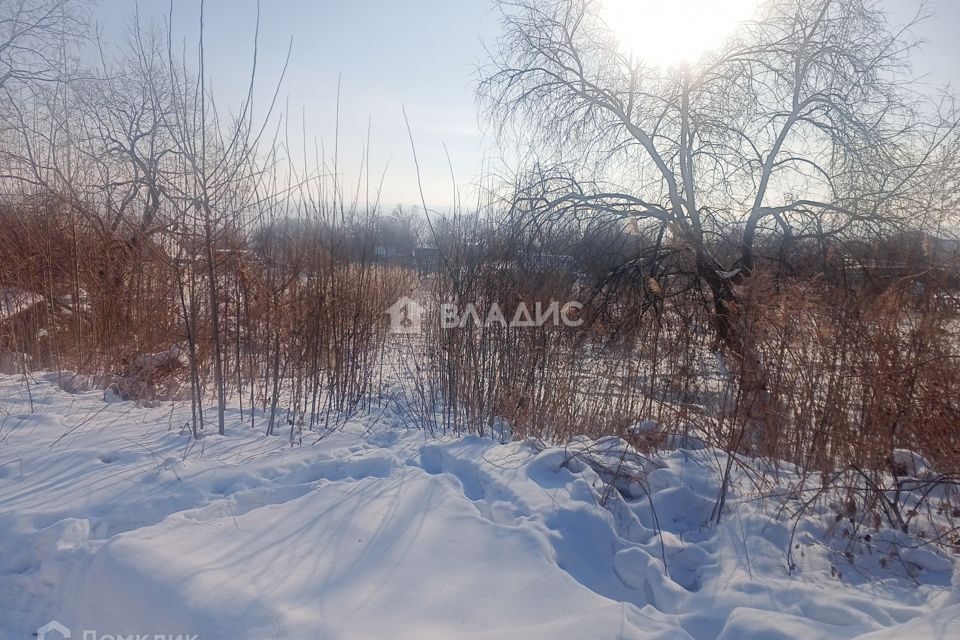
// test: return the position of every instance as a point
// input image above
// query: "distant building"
(944, 252)
(384, 251)
(544, 262)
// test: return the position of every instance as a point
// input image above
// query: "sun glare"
(674, 32)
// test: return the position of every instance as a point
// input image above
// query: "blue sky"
(418, 53)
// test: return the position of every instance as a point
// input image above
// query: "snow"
(112, 519)
(14, 301)
(908, 463)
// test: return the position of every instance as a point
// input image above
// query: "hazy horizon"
(334, 43)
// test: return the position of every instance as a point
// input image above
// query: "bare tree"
(222, 180)
(32, 38)
(806, 123)
(36, 37)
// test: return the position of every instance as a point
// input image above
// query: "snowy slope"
(112, 519)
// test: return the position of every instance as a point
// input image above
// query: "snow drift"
(112, 519)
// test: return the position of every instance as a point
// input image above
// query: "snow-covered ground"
(113, 522)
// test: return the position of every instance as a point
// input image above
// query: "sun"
(674, 32)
